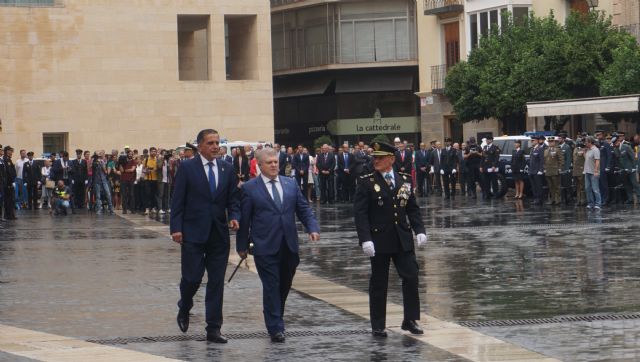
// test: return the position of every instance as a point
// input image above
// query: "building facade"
(348, 69)
(450, 29)
(103, 74)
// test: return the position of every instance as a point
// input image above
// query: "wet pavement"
(101, 278)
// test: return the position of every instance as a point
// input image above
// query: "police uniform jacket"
(10, 171)
(490, 156)
(536, 160)
(626, 156)
(31, 173)
(553, 161)
(606, 156)
(386, 217)
(449, 160)
(578, 161)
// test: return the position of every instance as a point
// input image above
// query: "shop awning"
(300, 87)
(378, 83)
(627, 103)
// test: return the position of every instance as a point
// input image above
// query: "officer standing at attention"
(536, 169)
(626, 157)
(489, 168)
(606, 165)
(553, 165)
(578, 171)
(565, 173)
(385, 214)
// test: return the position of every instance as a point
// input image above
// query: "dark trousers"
(421, 179)
(32, 196)
(138, 195)
(437, 182)
(212, 256)
(537, 183)
(151, 190)
(302, 181)
(276, 273)
(473, 178)
(126, 190)
(462, 180)
(488, 182)
(603, 182)
(449, 182)
(631, 185)
(78, 194)
(345, 188)
(407, 268)
(9, 200)
(326, 187)
(565, 187)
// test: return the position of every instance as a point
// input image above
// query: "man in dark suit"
(3, 180)
(361, 160)
(346, 166)
(422, 169)
(536, 169)
(404, 160)
(326, 163)
(60, 168)
(436, 167)
(79, 175)
(606, 165)
(489, 169)
(449, 168)
(31, 175)
(386, 212)
(269, 206)
(300, 164)
(283, 160)
(205, 192)
(224, 156)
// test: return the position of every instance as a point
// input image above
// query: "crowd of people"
(588, 171)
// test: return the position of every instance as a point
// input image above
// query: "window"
(241, 47)
(54, 142)
(482, 22)
(193, 47)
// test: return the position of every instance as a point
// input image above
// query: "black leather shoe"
(216, 337)
(183, 320)
(412, 327)
(379, 333)
(278, 337)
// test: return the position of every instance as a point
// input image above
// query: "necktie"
(401, 156)
(346, 161)
(276, 195)
(389, 180)
(212, 178)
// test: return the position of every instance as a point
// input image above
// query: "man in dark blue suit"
(300, 163)
(269, 206)
(205, 190)
(224, 156)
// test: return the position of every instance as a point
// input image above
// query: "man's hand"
(314, 236)
(422, 240)
(442, 172)
(234, 225)
(177, 237)
(540, 173)
(368, 249)
(243, 254)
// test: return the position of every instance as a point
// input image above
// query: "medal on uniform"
(380, 202)
(403, 203)
(376, 187)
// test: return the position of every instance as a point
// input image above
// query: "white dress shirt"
(206, 168)
(267, 184)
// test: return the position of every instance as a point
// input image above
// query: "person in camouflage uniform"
(578, 169)
(553, 165)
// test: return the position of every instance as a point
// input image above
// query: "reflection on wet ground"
(91, 277)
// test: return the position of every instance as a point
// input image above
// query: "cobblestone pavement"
(486, 261)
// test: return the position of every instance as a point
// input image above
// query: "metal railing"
(284, 2)
(32, 3)
(438, 77)
(302, 57)
(438, 4)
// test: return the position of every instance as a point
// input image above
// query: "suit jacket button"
(396, 223)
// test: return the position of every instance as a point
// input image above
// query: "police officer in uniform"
(536, 169)
(606, 165)
(473, 158)
(565, 173)
(8, 190)
(578, 170)
(3, 180)
(489, 168)
(626, 161)
(553, 165)
(386, 213)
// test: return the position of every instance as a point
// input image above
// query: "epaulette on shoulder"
(367, 175)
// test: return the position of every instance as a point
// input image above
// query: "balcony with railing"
(438, 78)
(443, 7)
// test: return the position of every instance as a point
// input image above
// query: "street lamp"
(593, 4)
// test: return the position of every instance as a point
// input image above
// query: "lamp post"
(593, 4)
